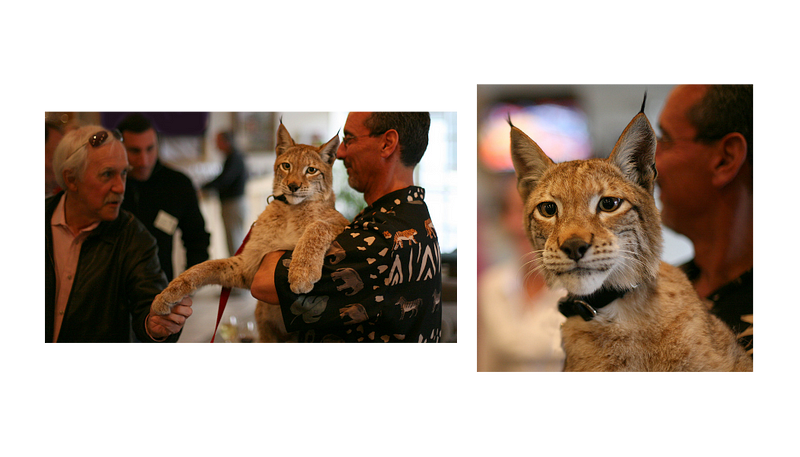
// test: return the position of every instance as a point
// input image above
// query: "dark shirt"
(731, 302)
(232, 180)
(381, 280)
(169, 197)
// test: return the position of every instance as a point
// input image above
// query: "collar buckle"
(572, 305)
(280, 198)
(584, 309)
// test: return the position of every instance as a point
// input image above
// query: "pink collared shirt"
(66, 252)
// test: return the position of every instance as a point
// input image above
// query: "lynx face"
(303, 172)
(590, 226)
(593, 223)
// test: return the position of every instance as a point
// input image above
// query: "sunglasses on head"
(99, 138)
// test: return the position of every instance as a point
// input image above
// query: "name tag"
(166, 222)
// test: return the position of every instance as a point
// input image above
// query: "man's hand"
(160, 327)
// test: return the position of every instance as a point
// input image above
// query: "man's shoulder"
(172, 175)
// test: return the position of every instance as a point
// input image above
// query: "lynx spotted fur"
(596, 230)
(301, 218)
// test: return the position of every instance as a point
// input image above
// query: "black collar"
(586, 306)
(280, 198)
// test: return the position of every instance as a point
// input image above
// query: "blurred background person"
(230, 186)
(518, 318)
(162, 198)
(52, 136)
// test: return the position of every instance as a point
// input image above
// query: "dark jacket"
(232, 180)
(118, 276)
(172, 192)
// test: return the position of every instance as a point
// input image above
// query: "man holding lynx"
(381, 279)
(319, 278)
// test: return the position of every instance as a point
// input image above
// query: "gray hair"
(72, 152)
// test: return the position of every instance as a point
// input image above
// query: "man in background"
(230, 186)
(162, 198)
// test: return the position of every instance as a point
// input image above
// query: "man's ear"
(391, 142)
(731, 156)
(70, 179)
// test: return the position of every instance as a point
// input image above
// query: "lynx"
(597, 233)
(301, 217)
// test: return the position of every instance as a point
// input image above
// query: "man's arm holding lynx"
(263, 287)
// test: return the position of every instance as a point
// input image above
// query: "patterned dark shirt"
(381, 281)
(734, 303)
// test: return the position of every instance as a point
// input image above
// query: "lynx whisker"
(632, 256)
(532, 266)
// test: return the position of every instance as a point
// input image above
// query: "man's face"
(142, 153)
(102, 187)
(359, 152)
(684, 166)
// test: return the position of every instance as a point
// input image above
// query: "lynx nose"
(575, 248)
(293, 187)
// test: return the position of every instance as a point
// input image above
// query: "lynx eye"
(311, 170)
(286, 166)
(547, 209)
(609, 204)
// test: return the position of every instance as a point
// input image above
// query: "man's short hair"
(412, 127)
(727, 108)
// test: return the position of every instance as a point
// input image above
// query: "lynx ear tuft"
(328, 151)
(635, 152)
(643, 102)
(284, 139)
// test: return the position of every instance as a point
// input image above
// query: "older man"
(384, 281)
(101, 267)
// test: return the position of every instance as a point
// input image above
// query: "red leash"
(226, 291)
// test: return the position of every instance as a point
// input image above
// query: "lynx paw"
(169, 297)
(303, 278)
(160, 306)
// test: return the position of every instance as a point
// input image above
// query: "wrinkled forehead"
(109, 154)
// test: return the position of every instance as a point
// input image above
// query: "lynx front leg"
(309, 255)
(306, 269)
(225, 272)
